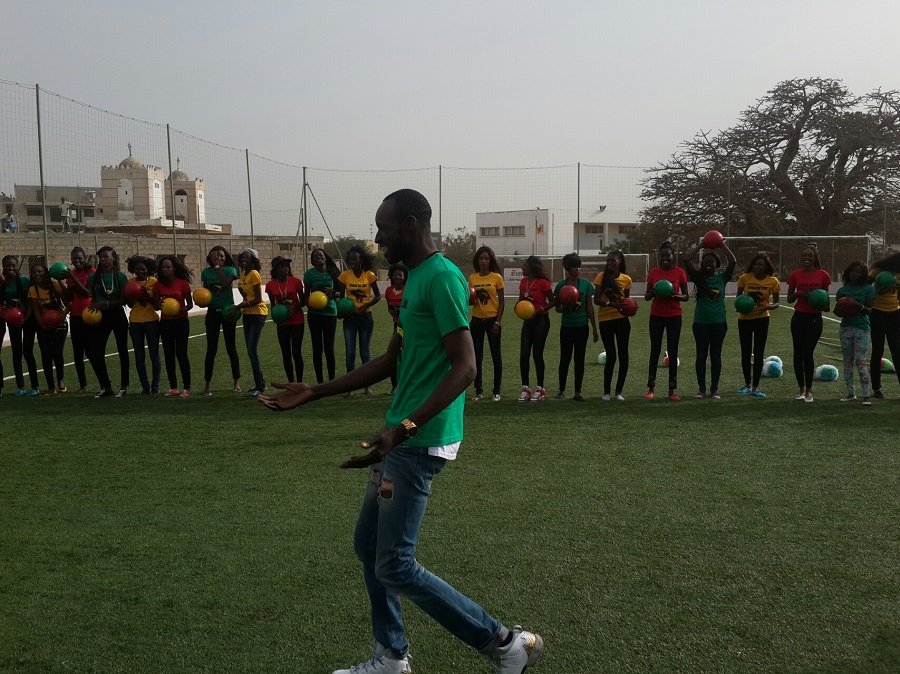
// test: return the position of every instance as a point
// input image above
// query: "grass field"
(210, 535)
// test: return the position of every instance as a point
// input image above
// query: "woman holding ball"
(174, 330)
(806, 323)
(611, 286)
(665, 315)
(758, 282)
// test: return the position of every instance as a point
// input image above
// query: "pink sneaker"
(172, 392)
(185, 394)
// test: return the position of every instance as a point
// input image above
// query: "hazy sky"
(410, 84)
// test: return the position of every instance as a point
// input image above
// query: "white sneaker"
(495, 398)
(606, 397)
(800, 396)
(380, 664)
(620, 397)
(522, 652)
(540, 395)
(808, 398)
(525, 395)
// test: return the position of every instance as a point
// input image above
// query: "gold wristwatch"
(410, 428)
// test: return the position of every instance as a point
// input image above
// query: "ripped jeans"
(387, 532)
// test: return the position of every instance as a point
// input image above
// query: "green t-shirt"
(711, 304)
(109, 286)
(435, 303)
(16, 294)
(317, 280)
(861, 294)
(223, 297)
(576, 317)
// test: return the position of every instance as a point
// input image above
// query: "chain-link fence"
(70, 168)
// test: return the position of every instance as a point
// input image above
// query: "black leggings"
(805, 332)
(671, 325)
(79, 330)
(481, 327)
(615, 335)
(709, 338)
(21, 339)
(753, 334)
(214, 322)
(51, 343)
(885, 326)
(533, 340)
(572, 341)
(290, 339)
(321, 331)
(114, 322)
(174, 335)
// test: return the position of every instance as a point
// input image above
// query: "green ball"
(818, 299)
(744, 304)
(345, 306)
(280, 313)
(885, 280)
(231, 314)
(58, 270)
(664, 289)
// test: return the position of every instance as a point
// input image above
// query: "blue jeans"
(363, 327)
(253, 327)
(387, 532)
(140, 333)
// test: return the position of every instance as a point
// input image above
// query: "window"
(55, 214)
(514, 231)
(33, 211)
(284, 247)
(87, 212)
(490, 231)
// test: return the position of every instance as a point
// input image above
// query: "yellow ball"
(525, 310)
(91, 316)
(317, 300)
(202, 297)
(170, 307)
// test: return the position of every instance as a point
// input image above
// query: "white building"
(514, 232)
(592, 237)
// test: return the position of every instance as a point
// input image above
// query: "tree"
(345, 243)
(459, 247)
(809, 158)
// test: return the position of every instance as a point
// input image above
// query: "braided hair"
(608, 285)
(97, 288)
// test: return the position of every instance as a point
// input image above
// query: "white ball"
(775, 359)
(772, 369)
(826, 373)
(602, 358)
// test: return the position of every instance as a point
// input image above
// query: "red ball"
(568, 295)
(472, 295)
(713, 239)
(13, 316)
(846, 306)
(133, 291)
(629, 308)
(51, 318)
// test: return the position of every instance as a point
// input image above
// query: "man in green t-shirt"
(434, 359)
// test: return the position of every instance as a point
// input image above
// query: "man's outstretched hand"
(294, 395)
(381, 445)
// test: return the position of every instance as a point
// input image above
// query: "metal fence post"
(172, 191)
(37, 93)
(250, 198)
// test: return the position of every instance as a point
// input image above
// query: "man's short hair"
(409, 203)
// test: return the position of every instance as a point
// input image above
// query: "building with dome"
(131, 191)
(190, 198)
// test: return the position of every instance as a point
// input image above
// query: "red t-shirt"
(802, 281)
(677, 277)
(79, 303)
(536, 292)
(287, 293)
(394, 297)
(179, 290)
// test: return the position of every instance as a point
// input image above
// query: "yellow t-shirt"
(144, 312)
(885, 301)
(45, 299)
(611, 313)
(487, 292)
(246, 283)
(752, 285)
(359, 288)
